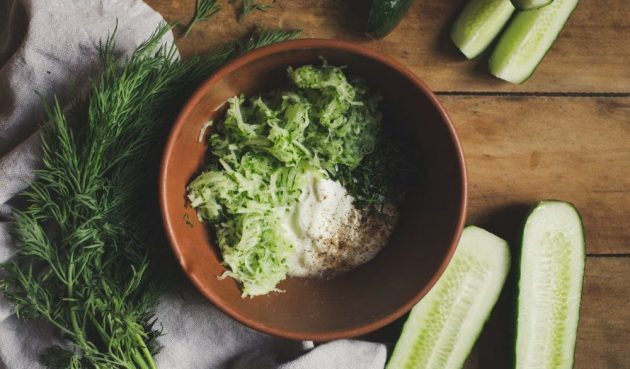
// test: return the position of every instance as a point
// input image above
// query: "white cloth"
(49, 47)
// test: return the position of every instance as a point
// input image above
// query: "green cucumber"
(530, 4)
(385, 15)
(478, 24)
(550, 285)
(527, 39)
(443, 327)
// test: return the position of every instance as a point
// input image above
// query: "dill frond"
(262, 37)
(204, 10)
(249, 6)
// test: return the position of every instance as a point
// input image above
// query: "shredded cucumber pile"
(320, 121)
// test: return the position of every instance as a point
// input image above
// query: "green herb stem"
(145, 351)
(137, 358)
(249, 6)
(204, 10)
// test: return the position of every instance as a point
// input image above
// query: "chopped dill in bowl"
(303, 180)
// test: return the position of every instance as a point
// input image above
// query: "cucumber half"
(527, 39)
(478, 24)
(443, 327)
(530, 4)
(550, 285)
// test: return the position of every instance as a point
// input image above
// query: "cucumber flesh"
(478, 24)
(527, 39)
(530, 4)
(443, 327)
(550, 285)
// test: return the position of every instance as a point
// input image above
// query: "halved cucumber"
(478, 24)
(550, 285)
(530, 4)
(444, 325)
(527, 39)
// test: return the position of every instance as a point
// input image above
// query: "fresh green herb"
(204, 10)
(261, 37)
(188, 220)
(82, 262)
(249, 6)
(383, 175)
(321, 122)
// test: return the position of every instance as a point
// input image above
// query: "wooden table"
(564, 134)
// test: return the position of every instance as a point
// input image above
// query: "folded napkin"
(49, 48)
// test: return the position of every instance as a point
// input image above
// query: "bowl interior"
(369, 296)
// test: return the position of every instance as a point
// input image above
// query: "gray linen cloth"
(50, 47)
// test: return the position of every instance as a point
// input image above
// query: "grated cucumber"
(550, 285)
(444, 325)
(478, 24)
(527, 39)
(530, 4)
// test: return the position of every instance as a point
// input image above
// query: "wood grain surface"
(591, 54)
(564, 134)
(522, 149)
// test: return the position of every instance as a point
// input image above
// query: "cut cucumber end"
(443, 327)
(530, 4)
(550, 286)
(478, 25)
(499, 69)
(527, 39)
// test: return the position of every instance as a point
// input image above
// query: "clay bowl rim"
(296, 46)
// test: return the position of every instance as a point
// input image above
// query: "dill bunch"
(204, 10)
(83, 258)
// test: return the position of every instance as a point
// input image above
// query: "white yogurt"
(328, 233)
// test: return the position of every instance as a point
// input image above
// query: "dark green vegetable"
(82, 262)
(385, 15)
(204, 10)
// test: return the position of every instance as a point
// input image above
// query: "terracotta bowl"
(369, 296)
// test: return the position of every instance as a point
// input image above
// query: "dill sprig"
(261, 37)
(384, 174)
(249, 6)
(204, 10)
(82, 261)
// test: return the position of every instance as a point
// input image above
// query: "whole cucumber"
(385, 15)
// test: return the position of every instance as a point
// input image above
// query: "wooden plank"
(604, 327)
(604, 330)
(523, 149)
(591, 54)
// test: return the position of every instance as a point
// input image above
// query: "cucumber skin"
(385, 15)
(530, 4)
(470, 13)
(527, 18)
(517, 262)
